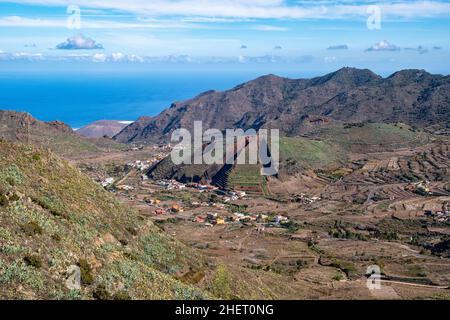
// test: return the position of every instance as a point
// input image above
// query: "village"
(217, 209)
(289, 234)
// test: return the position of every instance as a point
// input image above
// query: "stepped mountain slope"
(298, 106)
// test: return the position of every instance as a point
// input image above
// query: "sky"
(310, 35)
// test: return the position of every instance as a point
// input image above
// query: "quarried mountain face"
(295, 106)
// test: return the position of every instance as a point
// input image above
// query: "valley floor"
(317, 233)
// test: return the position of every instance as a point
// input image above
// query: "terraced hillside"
(246, 178)
(373, 137)
(54, 218)
(387, 180)
(298, 154)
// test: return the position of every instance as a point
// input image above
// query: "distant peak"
(269, 76)
(348, 75)
(409, 73)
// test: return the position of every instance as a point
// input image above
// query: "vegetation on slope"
(307, 153)
(53, 217)
(374, 137)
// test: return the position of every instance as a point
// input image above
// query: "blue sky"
(313, 35)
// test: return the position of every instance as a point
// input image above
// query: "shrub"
(32, 228)
(122, 295)
(100, 293)
(4, 202)
(12, 175)
(86, 272)
(345, 267)
(56, 237)
(33, 260)
(14, 197)
(338, 277)
(221, 284)
(51, 205)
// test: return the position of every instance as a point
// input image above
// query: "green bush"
(338, 277)
(86, 272)
(100, 293)
(32, 228)
(4, 202)
(122, 295)
(221, 285)
(33, 260)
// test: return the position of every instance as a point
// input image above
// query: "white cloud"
(269, 28)
(117, 56)
(23, 56)
(79, 42)
(330, 59)
(18, 21)
(383, 46)
(262, 9)
(99, 57)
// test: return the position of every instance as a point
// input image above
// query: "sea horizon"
(79, 99)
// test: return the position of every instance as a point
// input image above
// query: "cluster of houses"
(147, 164)
(231, 195)
(440, 216)
(107, 182)
(171, 185)
(213, 218)
(110, 181)
(176, 185)
(139, 165)
(228, 195)
(161, 147)
(173, 209)
(303, 198)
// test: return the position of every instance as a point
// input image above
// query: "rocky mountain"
(297, 106)
(56, 135)
(101, 128)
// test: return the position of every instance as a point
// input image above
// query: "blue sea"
(81, 98)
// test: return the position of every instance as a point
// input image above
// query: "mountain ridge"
(22, 127)
(415, 97)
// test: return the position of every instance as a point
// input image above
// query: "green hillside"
(373, 137)
(52, 217)
(308, 153)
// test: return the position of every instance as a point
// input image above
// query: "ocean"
(81, 98)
